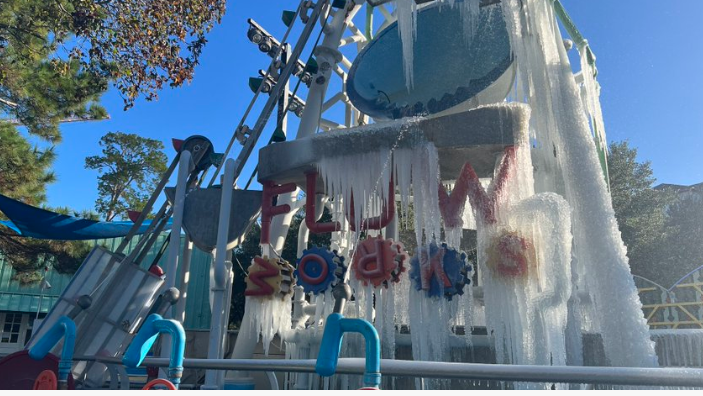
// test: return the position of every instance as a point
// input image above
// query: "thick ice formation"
(679, 348)
(367, 176)
(591, 99)
(415, 173)
(551, 260)
(528, 314)
(561, 129)
(268, 317)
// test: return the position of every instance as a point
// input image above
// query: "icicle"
(406, 11)
(272, 317)
(679, 347)
(470, 12)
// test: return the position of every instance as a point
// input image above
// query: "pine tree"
(56, 58)
(130, 167)
(682, 251)
(639, 209)
(24, 174)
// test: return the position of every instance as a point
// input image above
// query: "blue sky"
(649, 60)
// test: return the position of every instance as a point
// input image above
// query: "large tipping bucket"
(451, 68)
(122, 294)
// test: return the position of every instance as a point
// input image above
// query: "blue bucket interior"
(448, 68)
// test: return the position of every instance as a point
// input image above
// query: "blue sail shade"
(448, 69)
(29, 221)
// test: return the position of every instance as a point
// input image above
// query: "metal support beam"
(272, 101)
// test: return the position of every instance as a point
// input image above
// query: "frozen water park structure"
(463, 122)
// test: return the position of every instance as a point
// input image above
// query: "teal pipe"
(331, 345)
(63, 328)
(153, 326)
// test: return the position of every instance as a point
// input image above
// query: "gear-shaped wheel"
(379, 261)
(510, 255)
(441, 271)
(269, 277)
(317, 269)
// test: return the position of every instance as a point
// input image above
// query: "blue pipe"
(331, 345)
(145, 338)
(63, 328)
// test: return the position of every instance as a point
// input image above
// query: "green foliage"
(242, 258)
(38, 87)
(28, 256)
(56, 59)
(142, 45)
(57, 56)
(24, 173)
(24, 169)
(130, 167)
(639, 209)
(139, 44)
(682, 250)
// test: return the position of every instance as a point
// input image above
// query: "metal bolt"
(84, 301)
(320, 80)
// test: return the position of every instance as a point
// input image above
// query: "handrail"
(153, 326)
(678, 282)
(63, 328)
(629, 376)
(335, 327)
(654, 311)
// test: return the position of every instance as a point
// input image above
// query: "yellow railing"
(674, 314)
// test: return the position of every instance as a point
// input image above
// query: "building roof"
(25, 298)
(680, 188)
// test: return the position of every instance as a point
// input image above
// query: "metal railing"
(617, 376)
(678, 307)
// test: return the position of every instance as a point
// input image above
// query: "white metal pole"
(174, 245)
(218, 287)
(310, 118)
(326, 58)
(183, 280)
(227, 302)
(303, 234)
